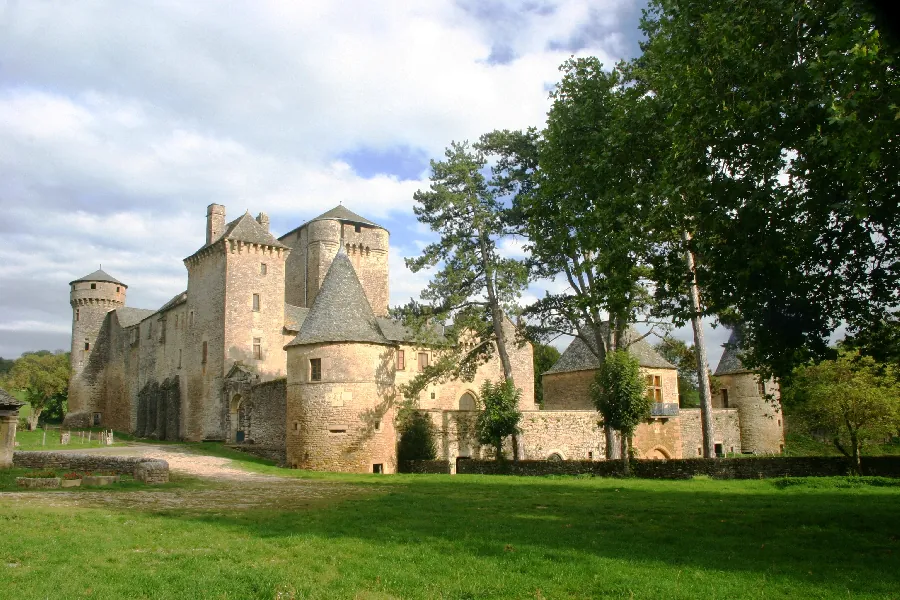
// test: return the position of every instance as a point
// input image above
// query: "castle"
(285, 345)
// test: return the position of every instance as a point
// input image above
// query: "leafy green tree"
(620, 395)
(417, 436)
(852, 399)
(6, 365)
(782, 159)
(42, 376)
(500, 414)
(682, 356)
(880, 340)
(545, 356)
(475, 286)
(582, 196)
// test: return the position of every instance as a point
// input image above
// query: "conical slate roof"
(730, 362)
(341, 213)
(579, 357)
(341, 312)
(247, 229)
(99, 275)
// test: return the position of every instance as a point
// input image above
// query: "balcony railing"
(664, 409)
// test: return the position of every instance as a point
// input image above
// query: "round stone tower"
(758, 402)
(91, 298)
(340, 378)
(317, 242)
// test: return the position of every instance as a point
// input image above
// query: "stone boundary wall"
(722, 468)
(424, 466)
(273, 453)
(148, 470)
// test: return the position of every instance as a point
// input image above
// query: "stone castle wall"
(268, 413)
(726, 431)
(761, 420)
(572, 390)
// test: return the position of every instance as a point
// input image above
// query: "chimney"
(215, 222)
(263, 219)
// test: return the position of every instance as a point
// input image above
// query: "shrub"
(39, 474)
(417, 436)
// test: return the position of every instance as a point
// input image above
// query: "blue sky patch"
(403, 162)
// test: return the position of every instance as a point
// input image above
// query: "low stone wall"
(723, 468)
(273, 453)
(148, 470)
(424, 466)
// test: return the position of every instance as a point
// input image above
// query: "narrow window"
(176, 322)
(724, 398)
(401, 360)
(590, 455)
(315, 369)
(257, 348)
(205, 352)
(191, 318)
(179, 358)
(93, 286)
(97, 417)
(263, 268)
(87, 345)
(423, 360)
(761, 388)
(432, 395)
(255, 302)
(378, 468)
(149, 330)
(117, 289)
(378, 426)
(357, 228)
(77, 314)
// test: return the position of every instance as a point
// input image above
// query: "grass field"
(408, 536)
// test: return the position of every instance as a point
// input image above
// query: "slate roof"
(730, 362)
(132, 316)
(578, 357)
(178, 299)
(342, 213)
(99, 275)
(294, 317)
(341, 312)
(9, 401)
(247, 229)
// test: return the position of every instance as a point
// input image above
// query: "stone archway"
(235, 412)
(659, 453)
(468, 404)
(467, 401)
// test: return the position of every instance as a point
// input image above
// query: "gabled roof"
(730, 362)
(9, 401)
(132, 316)
(341, 312)
(99, 275)
(294, 317)
(579, 357)
(247, 229)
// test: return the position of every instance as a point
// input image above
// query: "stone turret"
(91, 298)
(758, 402)
(317, 242)
(340, 377)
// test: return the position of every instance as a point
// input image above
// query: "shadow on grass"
(843, 540)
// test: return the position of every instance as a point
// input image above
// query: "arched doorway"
(467, 402)
(235, 414)
(464, 425)
(659, 453)
(555, 457)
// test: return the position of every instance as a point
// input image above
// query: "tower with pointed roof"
(340, 392)
(91, 298)
(757, 401)
(315, 244)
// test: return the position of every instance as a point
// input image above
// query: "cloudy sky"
(121, 121)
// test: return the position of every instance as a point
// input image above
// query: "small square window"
(432, 395)
(263, 268)
(315, 369)
(378, 468)
(97, 418)
(255, 302)
(257, 348)
(378, 426)
(357, 228)
(590, 455)
(93, 286)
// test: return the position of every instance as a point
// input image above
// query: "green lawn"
(35, 440)
(436, 536)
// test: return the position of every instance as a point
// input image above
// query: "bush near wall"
(424, 466)
(718, 468)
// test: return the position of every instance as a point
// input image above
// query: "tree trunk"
(856, 466)
(498, 318)
(700, 350)
(626, 454)
(612, 443)
(32, 420)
